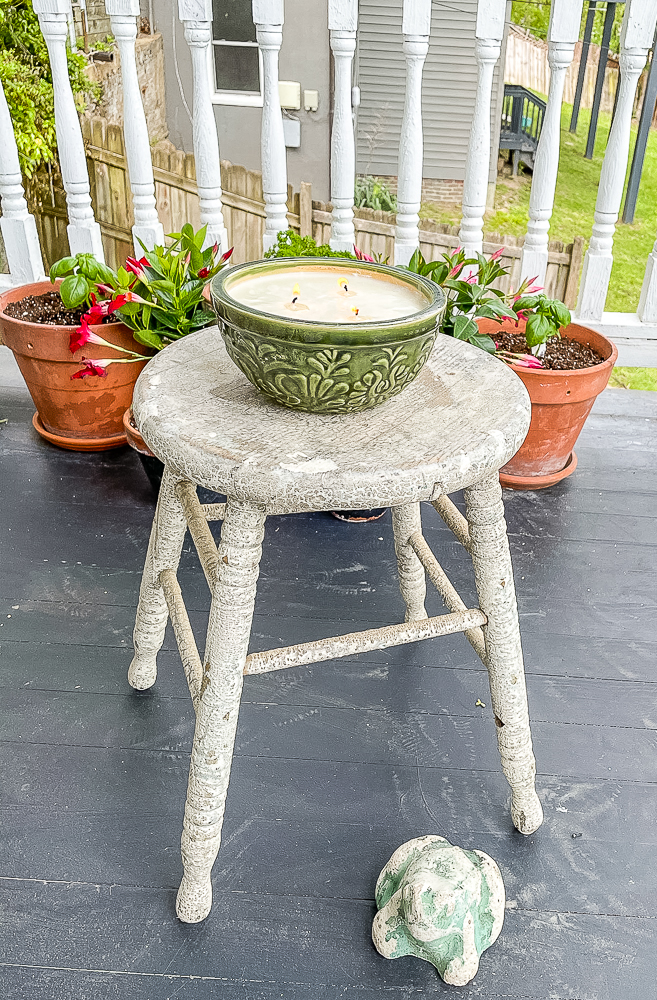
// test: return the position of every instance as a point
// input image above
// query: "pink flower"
(454, 252)
(363, 256)
(471, 279)
(137, 267)
(535, 288)
(98, 368)
(497, 254)
(455, 270)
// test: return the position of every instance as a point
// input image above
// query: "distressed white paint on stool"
(439, 903)
(453, 428)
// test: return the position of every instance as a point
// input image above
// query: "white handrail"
(196, 16)
(19, 230)
(636, 37)
(268, 17)
(489, 32)
(83, 230)
(416, 27)
(342, 22)
(563, 32)
(147, 229)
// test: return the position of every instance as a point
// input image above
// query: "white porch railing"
(268, 16)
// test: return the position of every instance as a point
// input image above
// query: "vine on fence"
(27, 82)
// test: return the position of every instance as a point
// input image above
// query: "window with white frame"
(236, 56)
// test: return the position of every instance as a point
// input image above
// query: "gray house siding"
(449, 87)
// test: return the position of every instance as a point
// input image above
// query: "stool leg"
(412, 579)
(229, 629)
(164, 547)
(497, 599)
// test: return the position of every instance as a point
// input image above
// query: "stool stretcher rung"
(362, 642)
(454, 520)
(182, 630)
(446, 589)
(198, 529)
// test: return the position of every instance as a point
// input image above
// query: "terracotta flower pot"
(561, 402)
(77, 414)
(151, 464)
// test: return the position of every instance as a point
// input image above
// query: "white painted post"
(636, 38)
(196, 16)
(489, 32)
(563, 32)
(18, 226)
(83, 230)
(342, 22)
(416, 26)
(268, 17)
(148, 229)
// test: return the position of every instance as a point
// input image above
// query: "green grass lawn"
(634, 378)
(577, 187)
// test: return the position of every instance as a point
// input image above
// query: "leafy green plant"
(290, 244)
(372, 192)
(27, 82)
(159, 296)
(470, 297)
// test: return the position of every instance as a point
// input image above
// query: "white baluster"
(342, 21)
(18, 226)
(268, 18)
(148, 229)
(416, 26)
(636, 38)
(563, 32)
(83, 230)
(488, 41)
(196, 15)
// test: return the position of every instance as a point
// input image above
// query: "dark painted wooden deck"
(336, 764)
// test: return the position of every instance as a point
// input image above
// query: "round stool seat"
(462, 418)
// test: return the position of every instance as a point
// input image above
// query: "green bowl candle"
(327, 335)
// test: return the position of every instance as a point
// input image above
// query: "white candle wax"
(328, 294)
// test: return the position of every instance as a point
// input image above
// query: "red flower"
(363, 256)
(80, 336)
(497, 254)
(204, 272)
(137, 267)
(227, 255)
(92, 368)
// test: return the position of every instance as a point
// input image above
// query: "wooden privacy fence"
(244, 213)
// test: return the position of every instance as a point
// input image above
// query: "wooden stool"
(463, 418)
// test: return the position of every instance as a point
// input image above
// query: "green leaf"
(484, 342)
(465, 328)
(562, 313)
(74, 291)
(199, 239)
(417, 262)
(62, 267)
(538, 329)
(526, 302)
(106, 275)
(149, 339)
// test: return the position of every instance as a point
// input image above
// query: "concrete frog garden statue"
(439, 903)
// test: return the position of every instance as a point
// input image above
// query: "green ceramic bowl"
(326, 367)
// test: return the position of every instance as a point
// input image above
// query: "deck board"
(336, 764)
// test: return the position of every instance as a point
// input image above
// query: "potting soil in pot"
(561, 353)
(49, 310)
